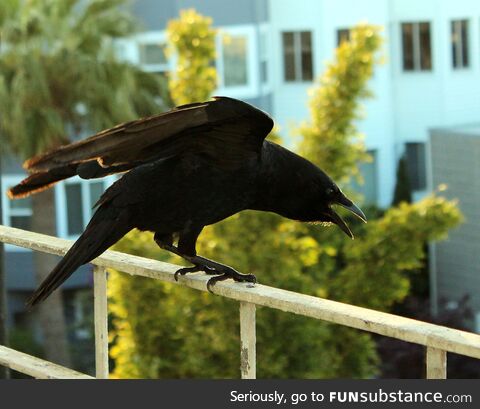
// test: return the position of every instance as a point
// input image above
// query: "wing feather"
(226, 131)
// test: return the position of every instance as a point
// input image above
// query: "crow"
(182, 170)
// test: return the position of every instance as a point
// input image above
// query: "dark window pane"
(96, 190)
(306, 45)
(416, 165)
(455, 39)
(465, 47)
(288, 56)
(25, 203)
(425, 47)
(74, 208)
(235, 60)
(343, 34)
(264, 71)
(21, 222)
(153, 53)
(407, 45)
(263, 57)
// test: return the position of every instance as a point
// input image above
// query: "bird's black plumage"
(188, 168)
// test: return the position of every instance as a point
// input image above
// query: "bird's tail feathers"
(104, 230)
(39, 181)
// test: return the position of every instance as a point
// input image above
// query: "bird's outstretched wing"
(225, 131)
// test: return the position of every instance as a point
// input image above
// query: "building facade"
(455, 265)
(269, 52)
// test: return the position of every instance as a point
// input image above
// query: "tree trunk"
(51, 312)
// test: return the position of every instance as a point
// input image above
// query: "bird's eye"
(329, 191)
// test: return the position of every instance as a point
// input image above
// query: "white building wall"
(290, 100)
(406, 104)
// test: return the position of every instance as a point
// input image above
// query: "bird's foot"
(221, 271)
(228, 272)
(194, 269)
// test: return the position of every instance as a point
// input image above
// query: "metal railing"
(438, 340)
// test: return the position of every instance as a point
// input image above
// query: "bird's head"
(297, 189)
(331, 195)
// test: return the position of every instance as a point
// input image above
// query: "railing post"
(101, 321)
(248, 339)
(436, 363)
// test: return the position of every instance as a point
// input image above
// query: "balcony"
(438, 340)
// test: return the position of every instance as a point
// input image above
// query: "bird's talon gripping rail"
(437, 339)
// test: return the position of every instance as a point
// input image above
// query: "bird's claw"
(194, 269)
(221, 273)
(235, 275)
(186, 270)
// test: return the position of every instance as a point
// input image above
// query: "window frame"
(151, 37)
(418, 183)
(265, 57)
(297, 56)
(7, 181)
(87, 212)
(416, 46)
(457, 49)
(340, 32)
(228, 40)
(251, 58)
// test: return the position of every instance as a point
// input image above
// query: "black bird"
(187, 168)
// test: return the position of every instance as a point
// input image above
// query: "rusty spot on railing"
(244, 365)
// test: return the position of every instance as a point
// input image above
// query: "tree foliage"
(59, 73)
(60, 78)
(174, 332)
(403, 189)
(335, 106)
(192, 41)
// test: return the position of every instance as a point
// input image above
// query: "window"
(369, 188)
(297, 56)
(416, 165)
(75, 219)
(263, 56)
(416, 43)
(79, 313)
(16, 213)
(76, 198)
(237, 61)
(234, 55)
(21, 213)
(459, 39)
(343, 34)
(152, 56)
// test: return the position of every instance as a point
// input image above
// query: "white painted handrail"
(101, 321)
(436, 363)
(437, 339)
(248, 340)
(38, 368)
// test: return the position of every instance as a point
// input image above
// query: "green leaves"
(374, 273)
(58, 55)
(330, 138)
(169, 332)
(161, 329)
(192, 40)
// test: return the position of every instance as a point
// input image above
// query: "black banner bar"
(223, 394)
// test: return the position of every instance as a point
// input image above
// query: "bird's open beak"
(349, 205)
(356, 211)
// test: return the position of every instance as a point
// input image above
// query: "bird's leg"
(186, 250)
(166, 242)
(194, 269)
